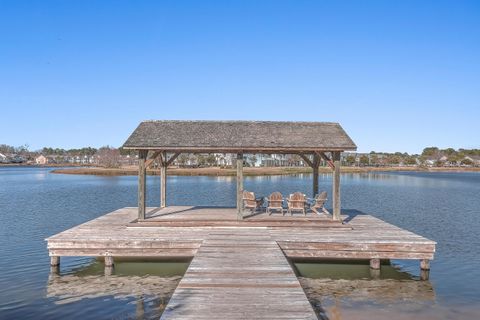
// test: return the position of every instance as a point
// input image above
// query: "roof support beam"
(306, 159)
(172, 158)
(314, 165)
(329, 161)
(152, 158)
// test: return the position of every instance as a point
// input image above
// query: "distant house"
(3, 158)
(274, 160)
(17, 159)
(475, 159)
(224, 159)
(430, 161)
(41, 159)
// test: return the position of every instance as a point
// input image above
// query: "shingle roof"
(239, 135)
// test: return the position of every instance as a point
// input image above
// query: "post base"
(375, 264)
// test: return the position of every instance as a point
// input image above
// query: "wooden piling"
(375, 273)
(424, 275)
(109, 261)
(375, 264)
(54, 261)
(424, 264)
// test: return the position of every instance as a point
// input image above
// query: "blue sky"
(398, 75)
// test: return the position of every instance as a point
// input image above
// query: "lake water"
(35, 204)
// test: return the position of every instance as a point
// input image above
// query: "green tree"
(211, 160)
(350, 160)
(454, 158)
(439, 163)
(394, 160)
(430, 151)
(410, 161)
(449, 151)
(373, 159)
(364, 160)
(182, 159)
(201, 160)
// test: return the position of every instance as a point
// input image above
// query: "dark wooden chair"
(297, 202)
(319, 203)
(275, 202)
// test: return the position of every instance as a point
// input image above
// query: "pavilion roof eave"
(292, 150)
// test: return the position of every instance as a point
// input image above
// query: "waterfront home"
(41, 160)
(17, 159)
(3, 158)
(474, 159)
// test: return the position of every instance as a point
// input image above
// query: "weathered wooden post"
(54, 261)
(109, 265)
(375, 273)
(163, 179)
(375, 264)
(316, 163)
(424, 269)
(424, 275)
(336, 186)
(142, 156)
(239, 186)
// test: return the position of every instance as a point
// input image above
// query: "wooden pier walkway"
(239, 274)
(239, 268)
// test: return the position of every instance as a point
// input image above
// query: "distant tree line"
(109, 156)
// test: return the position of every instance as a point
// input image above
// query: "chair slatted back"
(275, 200)
(249, 199)
(320, 199)
(297, 200)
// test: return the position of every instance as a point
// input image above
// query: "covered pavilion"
(165, 140)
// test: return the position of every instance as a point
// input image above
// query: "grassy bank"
(215, 171)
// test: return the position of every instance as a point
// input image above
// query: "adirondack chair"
(250, 202)
(275, 202)
(297, 202)
(319, 202)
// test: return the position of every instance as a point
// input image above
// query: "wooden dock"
(239, 274)
(239, 268)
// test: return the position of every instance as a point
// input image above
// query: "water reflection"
(335, 288)
(145, 286)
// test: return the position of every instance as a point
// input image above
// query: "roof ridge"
(242, 121)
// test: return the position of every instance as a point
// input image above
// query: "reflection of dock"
(380, 291)
(71, 288)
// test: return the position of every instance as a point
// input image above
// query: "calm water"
(35, 204)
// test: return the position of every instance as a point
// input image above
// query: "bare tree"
(108, 157)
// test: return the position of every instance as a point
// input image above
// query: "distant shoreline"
(248, 171)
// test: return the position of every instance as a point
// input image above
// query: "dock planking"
(239, 268)
(239, 274)
(118, 234)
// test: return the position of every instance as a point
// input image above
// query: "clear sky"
(398, 75)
